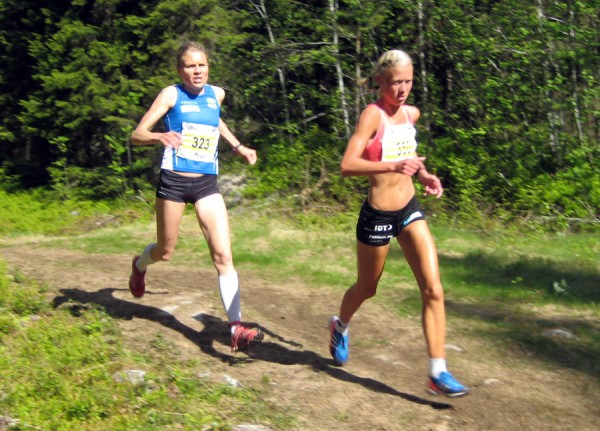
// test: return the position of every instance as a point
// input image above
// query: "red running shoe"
(137, 284)
(243, 337)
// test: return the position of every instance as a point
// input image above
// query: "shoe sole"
(449, 395)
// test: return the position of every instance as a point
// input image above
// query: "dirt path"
(381, 388)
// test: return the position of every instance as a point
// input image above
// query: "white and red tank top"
(392, 142)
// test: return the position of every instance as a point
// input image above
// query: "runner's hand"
(248, 153)
(432, 184)
(409, 166)
(170, 139)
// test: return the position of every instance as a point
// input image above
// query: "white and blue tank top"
(196, 117)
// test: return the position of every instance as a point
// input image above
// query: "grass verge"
(505, 284)
(63, 369)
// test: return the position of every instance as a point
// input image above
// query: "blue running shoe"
(338, 345)
(446, 384)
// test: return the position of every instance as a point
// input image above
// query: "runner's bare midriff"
(390, 191)
(188, 174)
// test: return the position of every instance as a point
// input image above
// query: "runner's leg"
(420, 252)
(370, 262)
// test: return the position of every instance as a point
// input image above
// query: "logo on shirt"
(190, 108)
(212, 103)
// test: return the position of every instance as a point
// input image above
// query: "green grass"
(504, 284)
(57, 368)
(290, 249)
(37, 213)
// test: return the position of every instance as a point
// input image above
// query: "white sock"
(437, 366)
(230, 296)
(342, 327)
(145, 258)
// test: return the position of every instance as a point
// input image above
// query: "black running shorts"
(376, 227)
(189, 190)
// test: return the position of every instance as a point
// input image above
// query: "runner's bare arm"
(143, 134)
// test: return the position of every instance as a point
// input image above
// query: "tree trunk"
(358, 98)
(422, 64)
(262, 11)
(576, 111)
(550, 113)
(333, 7)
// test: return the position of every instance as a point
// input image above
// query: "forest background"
(508, 92)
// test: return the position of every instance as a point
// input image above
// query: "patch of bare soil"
(381, 388)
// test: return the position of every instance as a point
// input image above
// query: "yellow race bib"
(398, 143)
(199, 142)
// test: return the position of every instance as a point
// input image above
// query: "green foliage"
(508, 93)
(20, 302)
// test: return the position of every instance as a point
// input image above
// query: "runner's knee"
(367, 290)
(433, 292)
(223, 258)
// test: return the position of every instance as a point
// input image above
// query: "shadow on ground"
(527, 333)
(515, 323)
(215, 331)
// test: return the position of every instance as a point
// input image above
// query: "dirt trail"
(382, 386)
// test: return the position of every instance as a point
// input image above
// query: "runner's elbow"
(345, 169)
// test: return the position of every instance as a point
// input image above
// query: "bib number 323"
(199, 142)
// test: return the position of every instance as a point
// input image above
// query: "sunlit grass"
(502, 283)
(37, 212)
(58, 367)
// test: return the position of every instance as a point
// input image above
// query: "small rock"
(250, 428)
(135, 377)
(170, 309)
(231, 381)
(559, 333)
(7, 422)
(440, 427)
(204, 375)
(200, 316)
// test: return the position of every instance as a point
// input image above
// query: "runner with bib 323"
(191, 115)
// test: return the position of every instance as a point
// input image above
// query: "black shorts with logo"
(376, 227)
(189, 190)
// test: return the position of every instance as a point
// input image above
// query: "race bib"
(398, 143)
(199, 142)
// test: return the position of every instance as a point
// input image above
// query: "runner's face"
(396, 84)
(193, 70)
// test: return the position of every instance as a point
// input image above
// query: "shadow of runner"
(121, 309)
(213, 331)
(273, 352)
